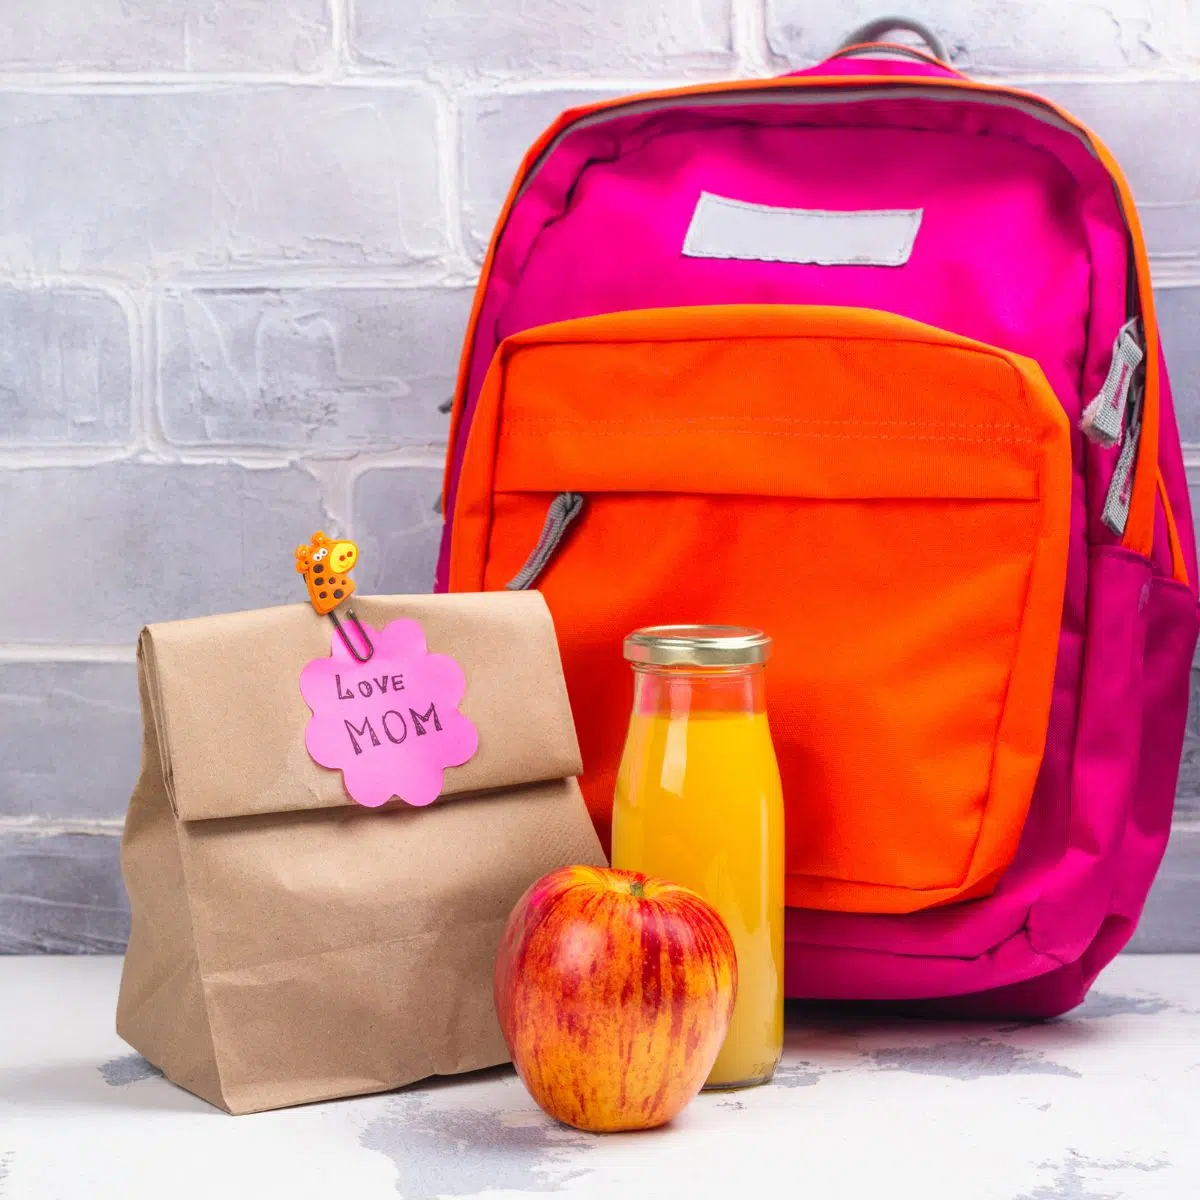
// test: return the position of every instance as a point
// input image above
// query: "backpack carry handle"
(875, 31)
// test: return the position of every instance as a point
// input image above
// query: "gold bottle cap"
(697, 646)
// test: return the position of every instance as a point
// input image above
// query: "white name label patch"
(724, 228)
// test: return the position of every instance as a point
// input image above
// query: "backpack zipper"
(1115, 514)
(1103, 420)
(563, 510)
(1114, 418)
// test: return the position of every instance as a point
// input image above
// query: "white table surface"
(1101, 1105)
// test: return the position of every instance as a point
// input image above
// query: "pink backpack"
(884, 182)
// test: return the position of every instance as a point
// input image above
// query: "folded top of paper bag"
(230, 717)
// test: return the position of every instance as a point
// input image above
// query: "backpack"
(864, 356)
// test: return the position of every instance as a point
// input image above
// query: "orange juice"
(698, 802)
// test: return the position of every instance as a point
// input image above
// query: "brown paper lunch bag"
(290, 946)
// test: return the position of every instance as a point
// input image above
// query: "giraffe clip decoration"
(325, 564)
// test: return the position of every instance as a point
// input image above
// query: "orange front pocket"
(889, 501)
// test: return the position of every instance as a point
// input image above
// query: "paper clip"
(325, 564)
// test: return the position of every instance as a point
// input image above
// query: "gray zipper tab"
(1103, 420)
(1116, 504)
(564, 508)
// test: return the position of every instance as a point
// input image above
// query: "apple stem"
(637, 889)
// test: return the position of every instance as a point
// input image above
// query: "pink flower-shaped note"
(390, 725)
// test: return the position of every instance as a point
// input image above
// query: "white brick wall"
(237, 241)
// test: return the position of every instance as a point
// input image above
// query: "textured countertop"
(1101, 1105)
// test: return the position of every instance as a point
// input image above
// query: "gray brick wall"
(237, 242)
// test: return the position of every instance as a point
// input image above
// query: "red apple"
(614, 993)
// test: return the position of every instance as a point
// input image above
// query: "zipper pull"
(1103, 420)
(1115, 514)
(564, 508)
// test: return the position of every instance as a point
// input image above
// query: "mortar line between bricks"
(339, 27)
(452, 153)
(360, 79)
(26, 457)
(750, 43)
(335, 489)
(66, 653)
(38, 827)
(154, 434)
(182, 83)
(251, 458)
(448, 273)
(143, 357)
(1168, 271)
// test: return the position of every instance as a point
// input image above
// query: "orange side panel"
(1179, 571)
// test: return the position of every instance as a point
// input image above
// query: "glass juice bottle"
(698, 802)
